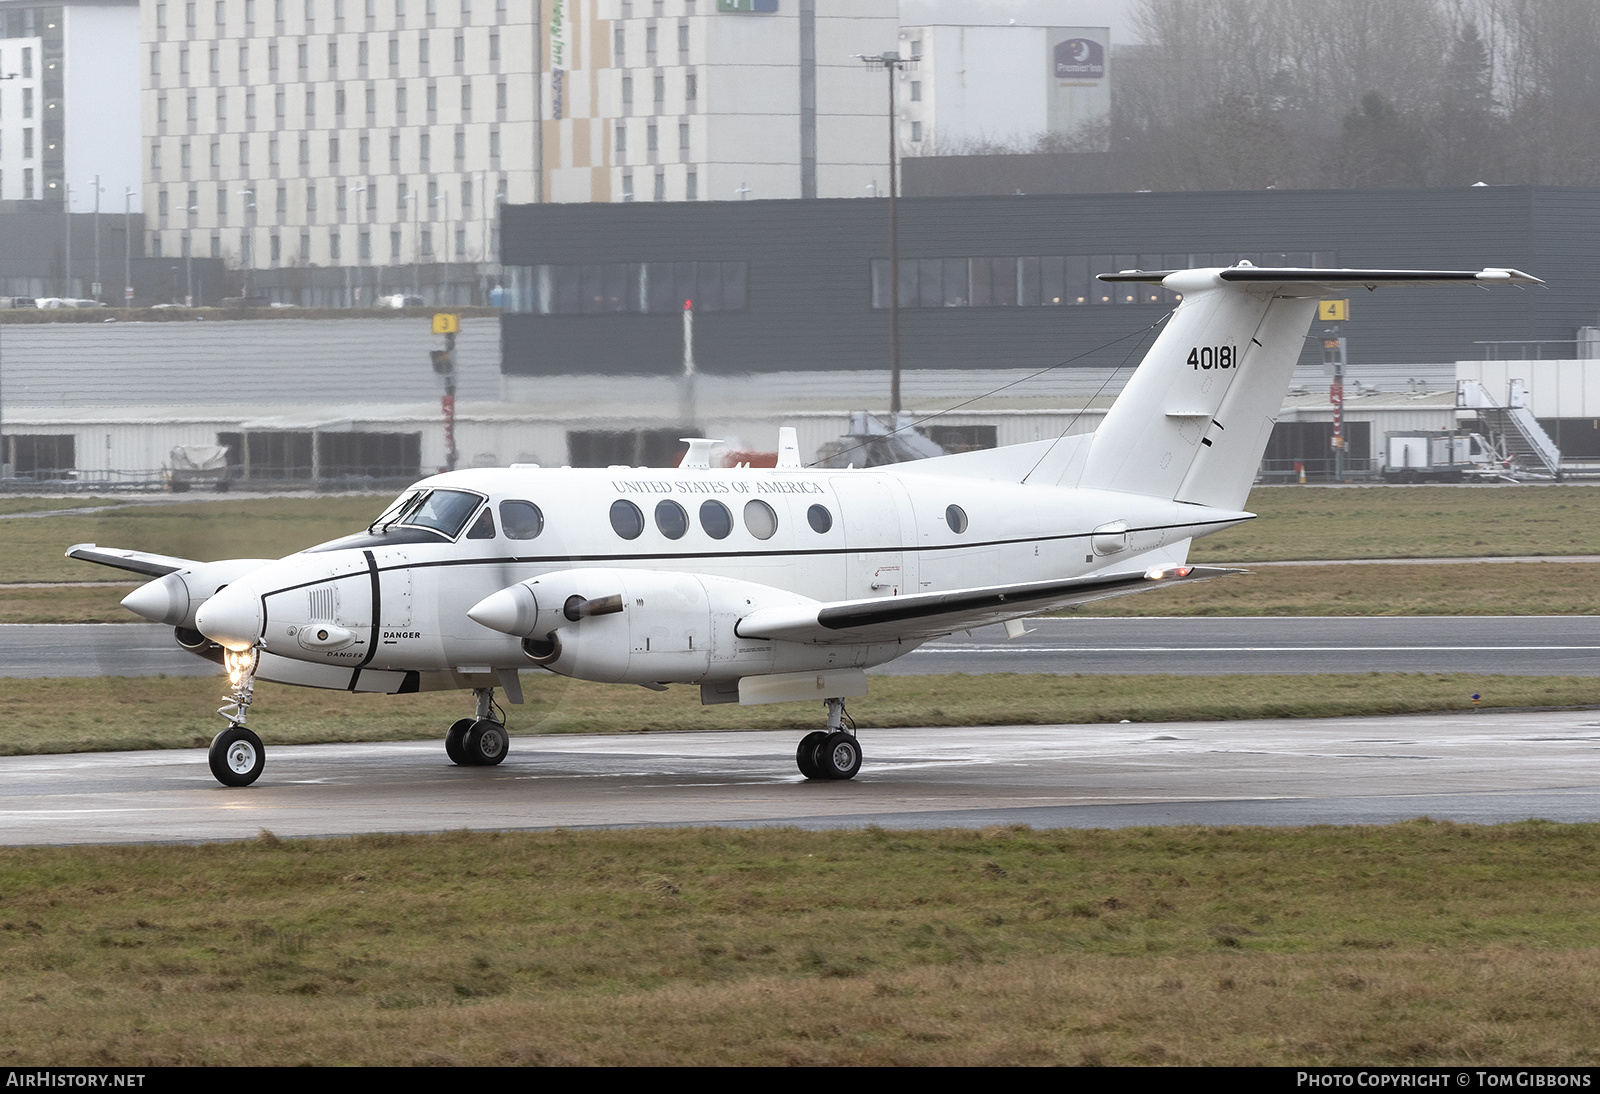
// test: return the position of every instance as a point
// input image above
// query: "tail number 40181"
(1209, 357)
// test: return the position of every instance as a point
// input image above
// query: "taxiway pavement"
(1486, 768)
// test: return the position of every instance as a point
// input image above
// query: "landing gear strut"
(831, 754)
(480, 741)
(237, 755)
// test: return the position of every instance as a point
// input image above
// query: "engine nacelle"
(175, 598)
(635, 626)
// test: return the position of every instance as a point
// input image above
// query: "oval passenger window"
(626, 520)
(521, 520)
(671, 519)
(820, 519)
(956, 518)
(759, 519)
(715, 519)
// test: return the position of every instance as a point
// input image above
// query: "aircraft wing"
(931, 615)
(139, 562)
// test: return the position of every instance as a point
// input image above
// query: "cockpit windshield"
(445, 511)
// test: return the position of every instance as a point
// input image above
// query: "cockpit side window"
(483, 527)
(521, 519)
(444, 511)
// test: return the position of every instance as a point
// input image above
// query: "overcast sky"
(1043, 13)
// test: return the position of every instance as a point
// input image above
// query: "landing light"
(239, 663)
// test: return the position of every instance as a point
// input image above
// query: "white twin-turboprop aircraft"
(760, 585)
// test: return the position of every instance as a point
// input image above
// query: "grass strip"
(100, 714)
(1419, 943)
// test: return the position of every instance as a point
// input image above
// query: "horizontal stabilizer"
(1334, 279)
(929, 615)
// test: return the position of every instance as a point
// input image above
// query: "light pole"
(360, 223)
(416, 253)
(247, 251)
(127, 246)
(97, 192)
(892, 63)
(188, 254)
(66, 290)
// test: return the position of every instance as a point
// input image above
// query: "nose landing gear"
(834, 754)
(479, 741)
(237, 755)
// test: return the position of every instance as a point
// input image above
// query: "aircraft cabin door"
(876, 520)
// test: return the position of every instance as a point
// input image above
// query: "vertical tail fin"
(1195, 418)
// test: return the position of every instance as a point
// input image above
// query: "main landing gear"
(831, 754)
(237, 755)
(479, 741)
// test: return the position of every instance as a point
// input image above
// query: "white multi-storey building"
(65, 114)
(302, 135)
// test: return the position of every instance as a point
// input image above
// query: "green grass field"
(1414, 944)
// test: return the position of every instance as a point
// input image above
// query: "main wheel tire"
(237, 756)
(805, 757)
(455, 742)
(486, 743)
(838, 756)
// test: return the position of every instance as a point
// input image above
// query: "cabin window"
(716, 520)
(671, 519)
(483, 527)
(760, 520)
(626, 520)
(820, 519)
(956, 518)
(521, 519)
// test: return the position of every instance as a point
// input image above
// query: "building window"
(461, 145)
(183, 61)
(277, 248)
(461, 242)
(494, 144)
(305, 247)
(244, 59)
(661, 89)
(283, 201)
(155, 60)
(333, 245)
(425, 148)
(216, 153)
(394, 51)
(683, 37)
(161, 109)
(427, 242)
(222, 107)
(333, 152)
(372, 103)
(280, 105)
(650, 138)
(691, 86)
(27, 191)
(249, 105)
(619, 43)
(338, 102)
(311, 198)
(650, 40)
(661, 187)
(364, 246)
(494, 45)
(361, 53)
(916, 131)
(433, 97)
(222, 201)
(272, 57)
(394, 148)
(466, 197)
(333, 57)
(364, 149)
(627, 186)
(244, 151)
(692, 187)
(155, 149)
(400, 100)
(27, 102)
(303, 58)
(683, 136)
(214, 61)
(272, 150)
(627, 90)
(466, 100)
(305, 151)
(183, 155)
(638, 288)
(161, 203)
(461, 49)
(916, 91)
(394, 244)
(311, 106)
(500, 95)
(622, 139)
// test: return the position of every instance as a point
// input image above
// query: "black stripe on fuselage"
(537, 560)
(377, 607)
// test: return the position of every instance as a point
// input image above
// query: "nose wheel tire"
(455, 742)
(486, 743)
(838, 756)
(237, 756)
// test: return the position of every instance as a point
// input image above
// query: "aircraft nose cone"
(164, 600)
(509, 611)
(232, 618)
